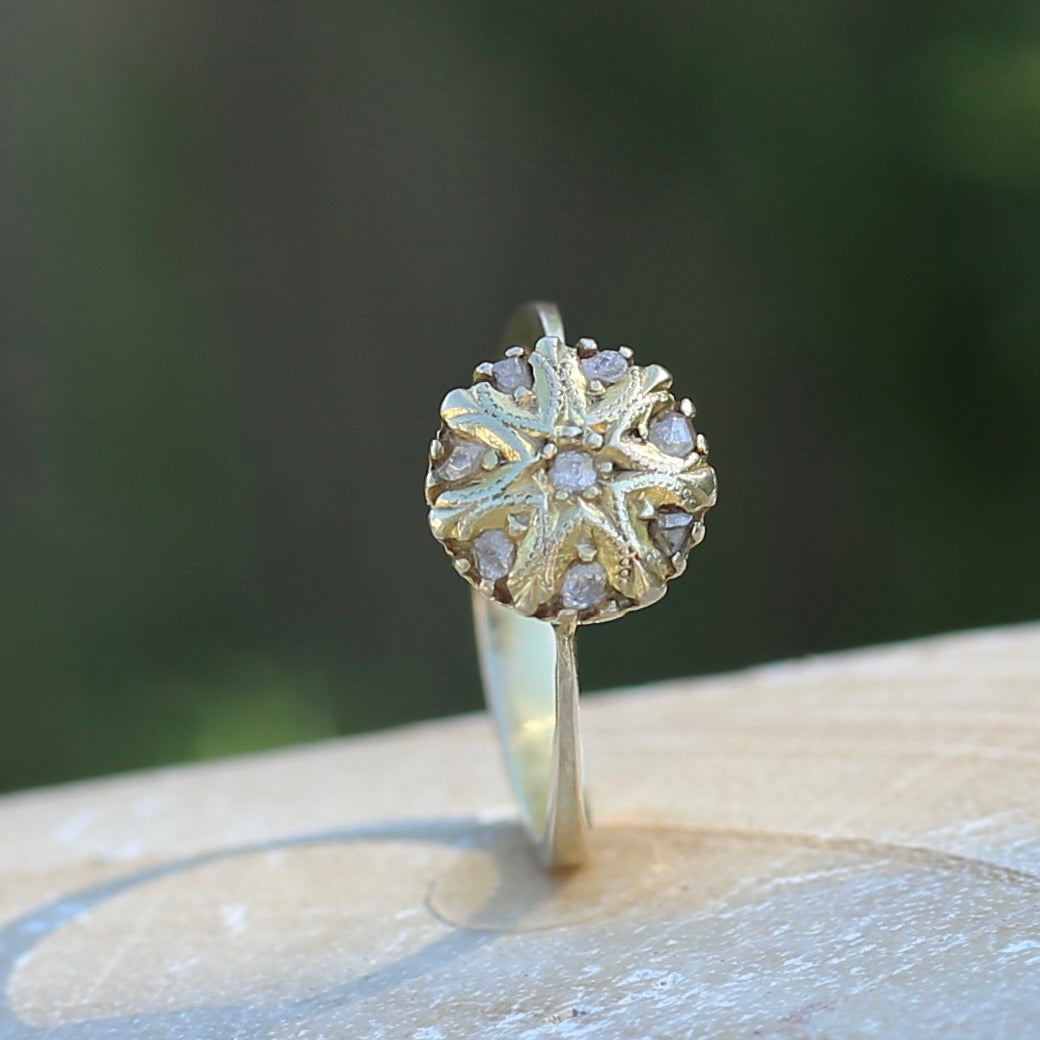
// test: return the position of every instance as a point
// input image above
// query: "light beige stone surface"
(844, 847)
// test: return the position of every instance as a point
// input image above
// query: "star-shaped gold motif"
(568, 481)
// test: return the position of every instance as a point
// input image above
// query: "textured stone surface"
(841, 847)
(608, 366)
(512, 374)
(584, 585)
(463, 461)
(572, 471)
(494, 553)
(672, 432)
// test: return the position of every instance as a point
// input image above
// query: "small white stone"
(673, 434)
(464, 461)
(494, 553)
(608, 366)
(584, 585)
(572, 471)
(512, 374)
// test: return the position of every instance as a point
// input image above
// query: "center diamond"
(572, 471)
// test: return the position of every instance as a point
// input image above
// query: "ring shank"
(531, 688)
(530, 322)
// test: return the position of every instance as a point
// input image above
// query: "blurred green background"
(247, 247)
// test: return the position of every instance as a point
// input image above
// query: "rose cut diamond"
(572, 471)
(608, 366)
(494, 554)
(512, 374)
(464, 461)
(670, 529)
(584, 585)
(672, 432)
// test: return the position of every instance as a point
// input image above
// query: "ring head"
(568, 482)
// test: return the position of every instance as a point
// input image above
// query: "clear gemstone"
(584, 585)
(512, 374)
(494, 553)
(572, 471)
(670, 530)
(672, 433)
(608, 366)
(463, 461)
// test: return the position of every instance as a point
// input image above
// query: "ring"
(568, 486)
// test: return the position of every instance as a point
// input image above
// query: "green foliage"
(228, 227)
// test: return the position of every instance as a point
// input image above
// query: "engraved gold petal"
(510, 413)
(463, 413)
(690, 491)
(548, 391)
(632, 454)
(543, 555)
(633, 409)
(603, 410)
(639, 564)
(464, 517)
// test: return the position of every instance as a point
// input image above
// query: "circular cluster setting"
(568, 482)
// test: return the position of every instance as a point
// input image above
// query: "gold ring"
(568, 485)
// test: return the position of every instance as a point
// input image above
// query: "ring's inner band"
(531, 688)
(518, 665)
(530, 323)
